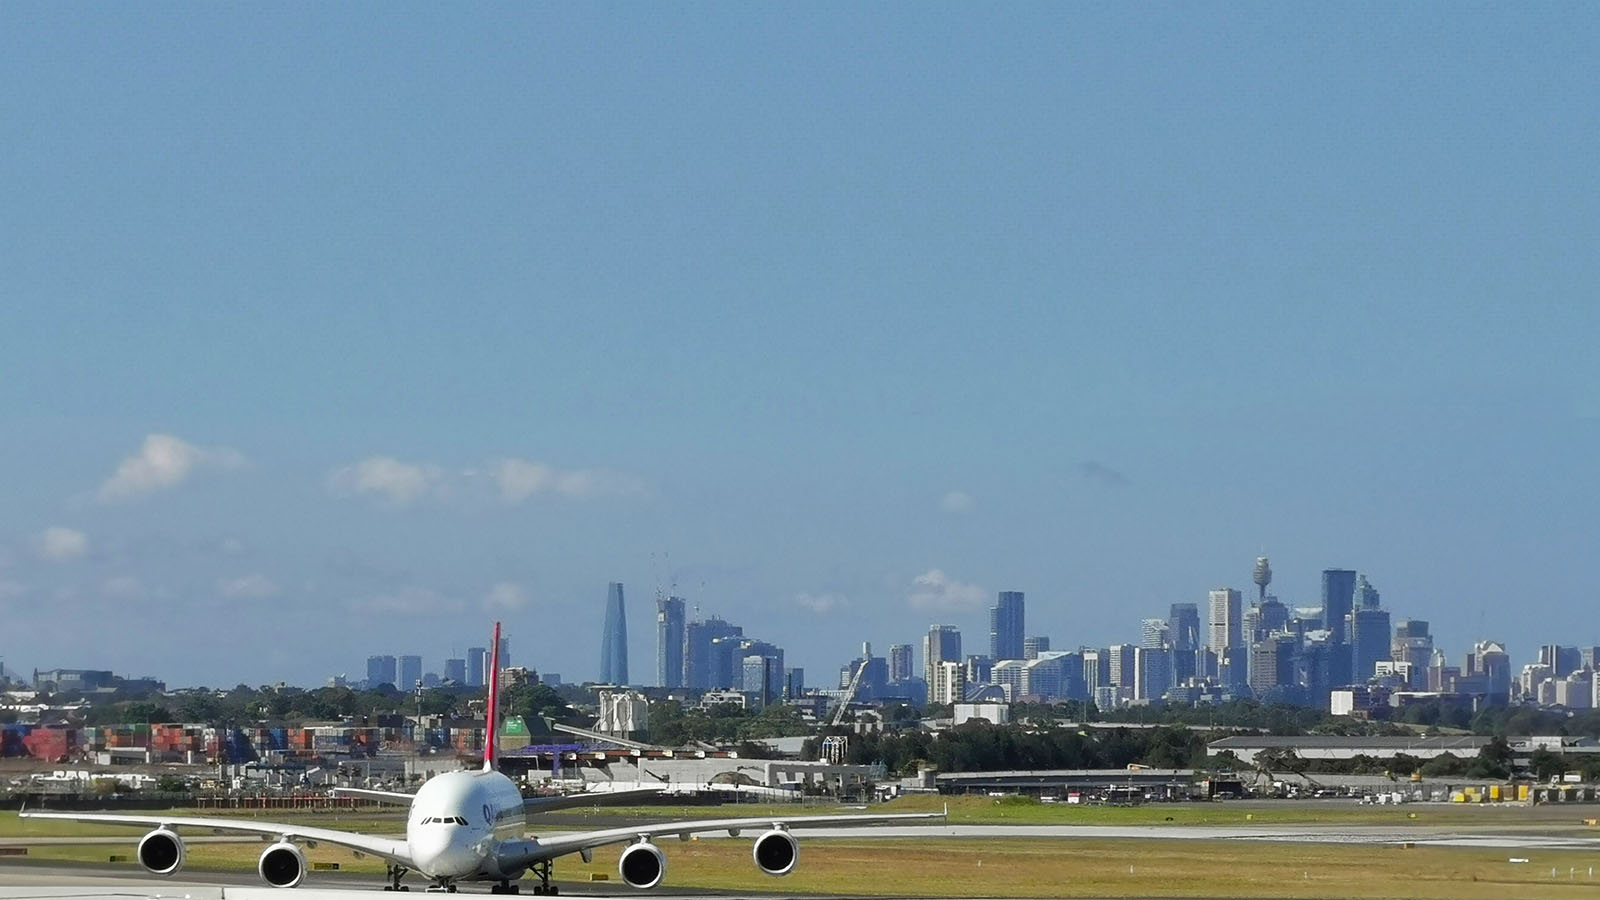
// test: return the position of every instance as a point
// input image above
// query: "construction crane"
(849, 694)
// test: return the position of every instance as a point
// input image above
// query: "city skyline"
(1182, 616)
(835, 321)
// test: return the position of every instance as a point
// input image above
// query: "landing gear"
(442, 888)
(395, 873)
(544, 888)
(506, 887)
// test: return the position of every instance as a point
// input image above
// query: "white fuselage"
(458, 821)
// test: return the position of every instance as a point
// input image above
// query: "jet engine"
(161, 852)
(282, 865)
(776, 852)
(642, 865)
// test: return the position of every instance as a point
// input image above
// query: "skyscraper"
(1272, 666)
(1370, 639)
(1152, 672)
(614, 639)
(1033, 645)
(1226, 623)
(1489, 659)
(456, 670)
(1183, 632)
(700, 664)
(1413, 646)
(381, 670)
(477, 665)
(942, 645)
(1096, 670)
(1272, 616)
(1366, 596)
(410, 673)
(669, 641)
(1120, 665)
(1153, 633)
(1006, 626)
(761, 671)
(1338, 596)
(1183, 627)
(900, 662)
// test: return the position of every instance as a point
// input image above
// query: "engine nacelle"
(642, 865)
(161, 852)
(776, 852)
(282, 865)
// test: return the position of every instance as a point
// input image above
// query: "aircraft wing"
(517, 853)
(391, 849)
(396, 797)
(590, 798)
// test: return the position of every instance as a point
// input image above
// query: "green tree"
(1493, 760)
(1547, 766)
(1445, 765)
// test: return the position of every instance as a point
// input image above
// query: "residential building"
(942, 645)
(901, 659)
(949, 682)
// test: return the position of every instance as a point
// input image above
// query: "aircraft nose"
(442, 852)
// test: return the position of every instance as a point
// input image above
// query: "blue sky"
(439, 314)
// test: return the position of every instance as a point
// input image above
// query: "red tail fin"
(493, 730)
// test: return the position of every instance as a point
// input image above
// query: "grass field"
(972, 810)
(1029, 867)
(1049, 868)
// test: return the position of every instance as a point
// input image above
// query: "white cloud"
(412, 601)
(824, 603)
(519, 479)
(934, 591)
(162, 462)
(513, 480)
(252, 587)
(506, 596)
(399, 482)
(957, 502)
(231, 546)
(122, 587)
(58, 544)
(11, 590)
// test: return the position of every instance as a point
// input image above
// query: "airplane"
(470, 826)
